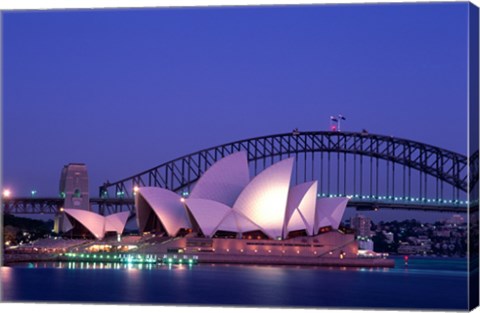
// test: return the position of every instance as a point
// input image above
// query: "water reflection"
(7, 274)
(235, 285)
(415, 267)
(93, 266)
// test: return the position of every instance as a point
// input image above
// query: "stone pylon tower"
(74, 186)
(74, 191)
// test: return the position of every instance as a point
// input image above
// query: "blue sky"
(125, 90)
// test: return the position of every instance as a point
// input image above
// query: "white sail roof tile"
(94, 222)
(166, 205)
(116, 222)
(329, 212)
(97, 224)
(224, 180)
(264, 199)
(207, 213)
(301, 197)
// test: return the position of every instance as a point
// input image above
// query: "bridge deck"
(28, 205)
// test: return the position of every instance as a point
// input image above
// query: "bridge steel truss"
(33, 205)
(28, 205)
(344, 163)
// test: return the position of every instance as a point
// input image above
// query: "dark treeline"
(20, 229)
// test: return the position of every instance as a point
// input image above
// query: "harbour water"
(426, 283)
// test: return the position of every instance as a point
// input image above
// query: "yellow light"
(136, 189)
(7, 193)
(61, 209)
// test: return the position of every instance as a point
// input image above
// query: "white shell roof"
(229, 223)
(116, 222)
(264, 199)
(94, 222)
(303, 198)
(237, 222)
(296, 222)
(329, 212)
(66, 224)
(266, 203)
(224, 180)
(167, 206)
(207, 213)
(97, 224)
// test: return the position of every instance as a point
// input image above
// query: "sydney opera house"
(232, 217)
(225, 202)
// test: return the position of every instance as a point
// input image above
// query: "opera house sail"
(85, 223)
(226, 199)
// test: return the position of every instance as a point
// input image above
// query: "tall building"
(455, 220)
(361, 224)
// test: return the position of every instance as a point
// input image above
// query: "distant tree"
(35, 228)
(10, 234)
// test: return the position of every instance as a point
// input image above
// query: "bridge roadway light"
(7, 193)
(135, 190)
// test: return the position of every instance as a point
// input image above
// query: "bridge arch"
(346, 162)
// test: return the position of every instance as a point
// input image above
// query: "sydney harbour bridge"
(376, 171)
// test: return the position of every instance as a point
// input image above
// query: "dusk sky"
(126, 90)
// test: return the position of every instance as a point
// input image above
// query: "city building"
(362, 226)
(363, 233)
(455, 220)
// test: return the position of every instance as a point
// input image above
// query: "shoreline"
(220, 259)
